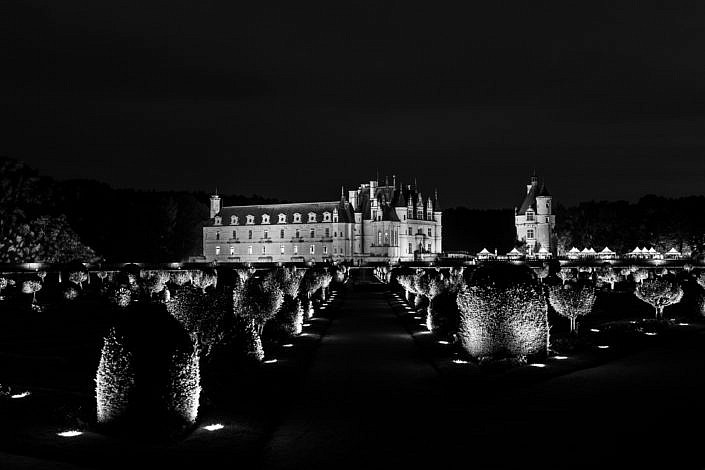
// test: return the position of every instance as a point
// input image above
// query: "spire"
(436, 205)
(394, 181)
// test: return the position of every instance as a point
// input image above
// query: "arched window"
(326, 217)
(217, 235)
(335, 215)
(265, 219)
(313, 233)
(311, 217)
(232, 250)
(313, 249)
(218, 220)
(379, 238)
(249, 250)
(233, 220)
(282, 218)
(529, 216)
(281, 249)
(298, 233)
(296, 249)
(297, 218)
(250, 219)
(266, 234)
(217, 250)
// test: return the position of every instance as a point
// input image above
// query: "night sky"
(294, 99)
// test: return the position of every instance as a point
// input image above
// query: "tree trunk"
(659, 313)
(407, 295)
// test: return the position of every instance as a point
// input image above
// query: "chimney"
(215, 205)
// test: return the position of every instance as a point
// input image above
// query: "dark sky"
(293, 99)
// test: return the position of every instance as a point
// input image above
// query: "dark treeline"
(653, 221)
(57, 221)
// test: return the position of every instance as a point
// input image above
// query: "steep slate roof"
(530, 198)
(273, 210)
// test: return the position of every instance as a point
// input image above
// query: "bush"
(122, 297)
(503, 321)
(148, 376)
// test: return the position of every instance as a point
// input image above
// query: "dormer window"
(311, 217)
(218, 220)
(265, 219)
(233, 220)
(335, 215)
(282, 218)
(297, 218)
(250, 220)
(529, 216)
(326, 217)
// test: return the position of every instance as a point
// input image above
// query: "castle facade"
(534, 220)
(373, 223)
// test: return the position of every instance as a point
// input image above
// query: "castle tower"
(534, 219)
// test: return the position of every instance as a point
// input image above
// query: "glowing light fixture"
(684, 324)
(69, 433)
(443, 342)
(270, 361)
(307, 324)
(459, 361)
(213, 427)
(594, 330)
(650, 333)
(21, 395)
(603, 346)
(287, 345)
(537, 364)
(560, 358)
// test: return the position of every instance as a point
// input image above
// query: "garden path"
(365, 394)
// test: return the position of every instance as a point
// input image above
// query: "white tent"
(574, 250)
(606, 251)
(484, 252)
(514, 252)
(652, 251)
(673, 251)
(543, 250)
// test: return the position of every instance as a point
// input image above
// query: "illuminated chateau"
(375, 222)
(534, 219)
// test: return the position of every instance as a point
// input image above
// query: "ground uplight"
(650, 333)
(213, 427)
(287, 345)
(560, 358)
(69, 433)
(307, 324)
(603, 346)
(270, 361)
(683, 324)
(460, 361)
(21, 395)
(443, 342)
(594, 330)
(538, 364)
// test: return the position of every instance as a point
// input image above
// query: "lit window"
(379, 238)
(281, 233)
(233, 220)
(313, 249)
(217, 250)
(327, 232)
(297, 218)
(249, 250)
(266, 234)
(529, 216)
(249, 234)
(218, 220)
(409, 249)
(311, 217)
(232, 250)
(282, 218)
(530, 233)
(281, 249)
(428, 247)
(335, 215)
(386, 238)
(326, 217)
(313, 233)
(265, 219)
(296, 249)
(325, 250)
(298, 234)
(250, 219)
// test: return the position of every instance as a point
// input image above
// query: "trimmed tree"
(659, 293)
(565, 274)
(32, 287)
(572, 301)
(609, 276)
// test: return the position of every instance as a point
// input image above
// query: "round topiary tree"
(565, 274)
(148, 375)
(32, 287)
(122, 297)
(204, 279)
(659, 293)
(78, 278)
(290, 316)
(181, 277)
(406, 281)
(572, 301)
(608, 275)
(311, 282)
(542, 272)
(255, 302)
(640, 275)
